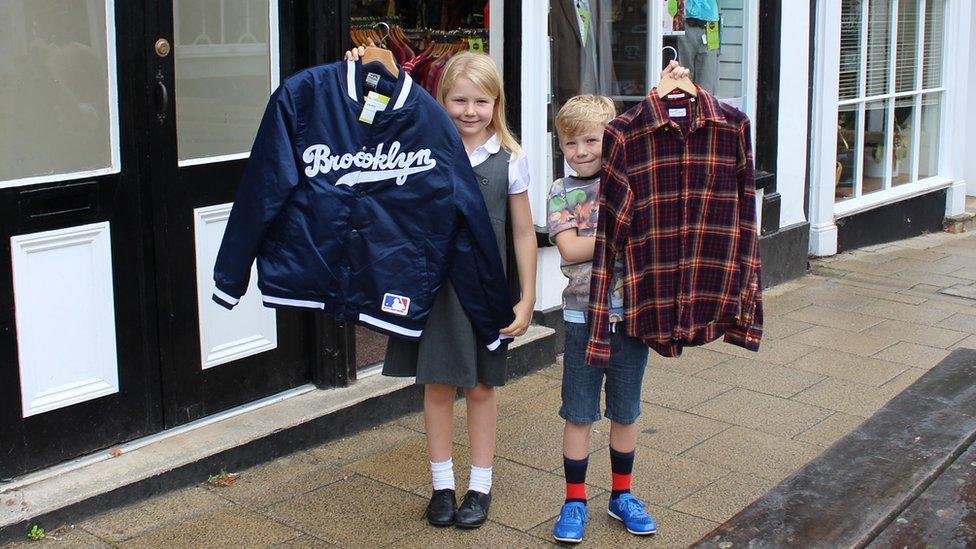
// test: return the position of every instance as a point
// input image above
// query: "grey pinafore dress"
(448, 351)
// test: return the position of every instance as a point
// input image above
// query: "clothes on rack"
(361, 209)
(678, 203)
(435, 49)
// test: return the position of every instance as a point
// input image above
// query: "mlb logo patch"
(396, 304)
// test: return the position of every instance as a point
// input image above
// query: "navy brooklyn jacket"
(363, 221)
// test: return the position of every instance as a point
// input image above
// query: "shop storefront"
(891, 96)
(132, 122)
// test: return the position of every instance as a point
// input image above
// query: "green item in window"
(711, 35)
(672, 8)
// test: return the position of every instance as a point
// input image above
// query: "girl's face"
(470, 108)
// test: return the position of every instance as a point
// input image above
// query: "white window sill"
(883, 198)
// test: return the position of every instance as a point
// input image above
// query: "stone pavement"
(720, 426)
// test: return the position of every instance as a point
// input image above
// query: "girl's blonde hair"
(482, 72)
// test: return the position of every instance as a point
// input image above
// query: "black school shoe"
(473, 511)
(441, 509)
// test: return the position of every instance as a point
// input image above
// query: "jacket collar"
(704, 108)
(354, 85)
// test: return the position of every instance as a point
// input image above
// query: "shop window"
(890, 94)
(58, 108)
(612, 48)
(424, 35)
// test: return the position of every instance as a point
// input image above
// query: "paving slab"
(852, 398)
(849, 494)
(145, 516)
(232, 527)
(835, 318)
(673, 431)
(864, 343)
(492, 534)
(678, 391)
(913, 333)
(761, 377)
(406, 466)
(725, 497)
(67, 537)
(766, 413)
(354, 512)
(840, 365)
(830, 430)
(754, 453)
(913, 354)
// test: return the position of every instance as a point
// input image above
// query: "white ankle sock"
(443, 473)
(480, 479)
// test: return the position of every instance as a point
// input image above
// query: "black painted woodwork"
(122, 199)
(897, 221)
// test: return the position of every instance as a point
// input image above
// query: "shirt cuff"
(746, 336)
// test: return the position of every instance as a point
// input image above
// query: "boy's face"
(584, 152)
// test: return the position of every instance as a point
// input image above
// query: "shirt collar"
(492, 146)
(354, 85)
(708, 110)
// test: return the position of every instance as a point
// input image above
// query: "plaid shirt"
(678, 201)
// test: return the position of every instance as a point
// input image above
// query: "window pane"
(879, 46)
(848, 133)
(934, 34)
(875, 146)
(903, 154)
(906, 62)
(54, 88)
(223, 75)
(850, 48)
(931, 129)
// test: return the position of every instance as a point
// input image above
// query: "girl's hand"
(355, 53)
(674, 70)
(523, 317)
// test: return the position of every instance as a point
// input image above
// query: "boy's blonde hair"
(584, 112)
(482, 72)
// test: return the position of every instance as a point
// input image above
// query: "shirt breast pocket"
(721, 180)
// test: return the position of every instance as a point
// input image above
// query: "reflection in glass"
(848, 133)
(903, 147)
(876, 150)
(223, 74)
(850, 48)
(906, 53)
(931, 129)
(879, 47)
(54, 88)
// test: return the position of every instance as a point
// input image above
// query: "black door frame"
(121, 198)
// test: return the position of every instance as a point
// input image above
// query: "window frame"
(115, 146)
(824, 208)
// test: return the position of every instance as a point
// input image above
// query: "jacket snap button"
(360, 193)
(484, 181)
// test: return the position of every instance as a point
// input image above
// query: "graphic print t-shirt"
(574, 203)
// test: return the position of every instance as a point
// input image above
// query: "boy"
(572, 221)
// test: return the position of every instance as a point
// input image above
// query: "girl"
(448, 355)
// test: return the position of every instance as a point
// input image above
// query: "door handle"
(162, 98)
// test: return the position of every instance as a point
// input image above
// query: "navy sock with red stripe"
(575, 470)
(621, 466)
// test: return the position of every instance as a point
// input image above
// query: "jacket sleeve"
(613, 227)
(747, 330)
(269, 178)
(476, 269)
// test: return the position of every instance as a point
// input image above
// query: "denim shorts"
(582, 383)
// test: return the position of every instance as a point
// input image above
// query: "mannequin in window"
(698, 48)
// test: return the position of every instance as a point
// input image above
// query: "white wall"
(970, 169)
(791, 161)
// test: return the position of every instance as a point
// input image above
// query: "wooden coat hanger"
(382, 55)
(668, 84)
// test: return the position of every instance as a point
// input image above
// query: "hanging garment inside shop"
(678, 203)
(361, 207)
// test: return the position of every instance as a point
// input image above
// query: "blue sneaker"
(572, 522)
(630, 511)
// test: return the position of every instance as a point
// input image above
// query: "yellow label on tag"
(374, 103)
(711, 35)
(476, 45)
